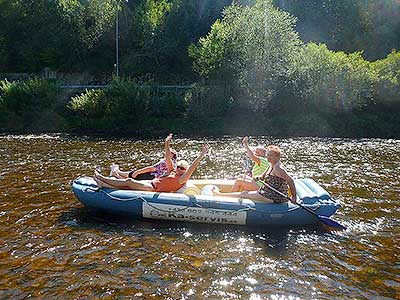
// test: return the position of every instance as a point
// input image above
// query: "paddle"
(324, 220)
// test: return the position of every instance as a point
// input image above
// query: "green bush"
(121, 106)
(23, 103)
(387, 79)
(167, 105)
(332, 81)
(88, 110)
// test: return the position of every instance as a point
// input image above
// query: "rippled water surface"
(50, 246)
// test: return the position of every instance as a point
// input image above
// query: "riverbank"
(235, 74)
(126, 108)
(383, 126)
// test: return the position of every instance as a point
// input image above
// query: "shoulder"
(280, 171)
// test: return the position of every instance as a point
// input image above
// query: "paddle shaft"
(325, 220)
(285, 196)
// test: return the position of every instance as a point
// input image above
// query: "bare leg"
(124, 184)
(103, 184)
(121, 174)
(245, 184)
(252, 195)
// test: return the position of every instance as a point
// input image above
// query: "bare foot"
(114, 168)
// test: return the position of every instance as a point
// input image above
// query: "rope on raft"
(98, 189)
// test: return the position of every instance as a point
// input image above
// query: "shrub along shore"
(129, 109)
(253, 73)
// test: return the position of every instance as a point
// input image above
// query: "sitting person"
(176, 178)
(276, 177)
(147, 173)
(261, 164)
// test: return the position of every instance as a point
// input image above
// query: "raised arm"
(249, 152)
(186, 176)
(168, 155)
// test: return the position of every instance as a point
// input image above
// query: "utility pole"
(117, 39)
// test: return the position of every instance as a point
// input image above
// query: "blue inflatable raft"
(193, 203)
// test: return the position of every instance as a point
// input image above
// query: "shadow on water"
(274, 240)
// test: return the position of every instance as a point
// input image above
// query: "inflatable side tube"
(87, 181)
(318, 190)
(303, 191)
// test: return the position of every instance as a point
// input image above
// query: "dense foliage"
(29, 105)
(267, 66)
(371, 26)
(124, 106)
(256, 48)
(72, 35)
(332, 81)
(295, 88)
(63, 35)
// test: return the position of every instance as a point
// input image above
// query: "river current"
(51, 247)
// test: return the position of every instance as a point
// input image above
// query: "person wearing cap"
(176, 178)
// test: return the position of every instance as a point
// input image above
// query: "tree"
(58, 34)
(211, 55)
(348, 25)
(387, 79)
(160, 33)
(258, 43)
(332, 81)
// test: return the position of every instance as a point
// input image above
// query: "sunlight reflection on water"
(50, 244)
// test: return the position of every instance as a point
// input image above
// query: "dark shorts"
(267, 193)
(144, 176)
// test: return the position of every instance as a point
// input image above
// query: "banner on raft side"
(193, 214)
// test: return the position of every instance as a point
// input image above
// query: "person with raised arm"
(261, 164)
(275, 176)
(147, 173)
(176, 178)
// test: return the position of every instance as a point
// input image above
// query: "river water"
(52, 248)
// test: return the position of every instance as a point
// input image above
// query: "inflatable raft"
(194, 203)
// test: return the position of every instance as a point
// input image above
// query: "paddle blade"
(331, 224)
